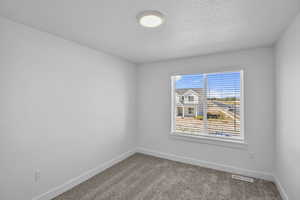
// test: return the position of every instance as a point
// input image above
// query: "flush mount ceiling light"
(150, 18)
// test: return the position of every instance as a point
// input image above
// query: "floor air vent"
(242, 178)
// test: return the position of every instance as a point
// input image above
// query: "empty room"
(149, 99)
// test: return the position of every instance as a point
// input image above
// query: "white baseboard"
(230, 169)
(83, 177)
(87, 175)
(281, 190)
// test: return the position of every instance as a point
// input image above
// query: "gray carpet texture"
(143, 177)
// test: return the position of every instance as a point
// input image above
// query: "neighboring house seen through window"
(213, 108)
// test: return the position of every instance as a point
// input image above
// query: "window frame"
(205, 136)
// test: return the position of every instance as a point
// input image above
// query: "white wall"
(288, 110)
(55, 114)
(155, 106)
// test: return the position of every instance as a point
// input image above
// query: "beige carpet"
(142, 177)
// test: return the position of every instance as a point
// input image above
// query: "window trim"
(204, 136)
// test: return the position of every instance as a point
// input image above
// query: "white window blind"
(216, 107)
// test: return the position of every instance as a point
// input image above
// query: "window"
(217, 105)
(182, 98)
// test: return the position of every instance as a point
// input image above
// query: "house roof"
(199, 91)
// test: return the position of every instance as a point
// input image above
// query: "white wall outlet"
(37, 175)
(251, 155)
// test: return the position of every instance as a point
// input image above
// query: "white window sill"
(219, 141)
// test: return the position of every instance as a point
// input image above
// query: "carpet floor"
(142, 177)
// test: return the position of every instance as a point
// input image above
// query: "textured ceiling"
(192, 27)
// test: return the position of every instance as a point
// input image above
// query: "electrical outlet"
(37, 175)
(251, 155)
